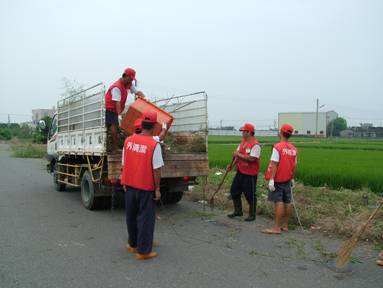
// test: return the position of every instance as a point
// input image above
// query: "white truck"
(77, 147)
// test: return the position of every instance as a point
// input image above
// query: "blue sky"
(254, 58)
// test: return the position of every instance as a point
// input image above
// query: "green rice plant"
(340, 164)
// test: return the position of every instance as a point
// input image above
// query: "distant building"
(367, 130)
(257, 133)
(231, 128)
(346, 133)
(366, 126)
(304, 123)
(38, 114)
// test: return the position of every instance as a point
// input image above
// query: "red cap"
(287, 128)
(150, 117)
(131, 73)
(247, 127)
(137, 123)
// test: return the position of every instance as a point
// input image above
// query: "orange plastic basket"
(138, 108)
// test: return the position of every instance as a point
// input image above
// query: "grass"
(333, 212)
(336, 163)
(350, 169)
(28, 150)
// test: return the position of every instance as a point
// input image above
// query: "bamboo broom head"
(345, 251)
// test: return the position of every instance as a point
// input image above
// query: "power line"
(26, 115)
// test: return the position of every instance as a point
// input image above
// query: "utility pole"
(221, 123)
(317, 117)
(316, 121)
(9, 120)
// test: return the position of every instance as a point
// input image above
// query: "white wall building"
(304, 123)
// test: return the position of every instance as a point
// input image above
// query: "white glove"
(292, 182)
(271, 186)
(164, 126)
(119, 119)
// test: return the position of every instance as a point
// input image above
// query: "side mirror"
(42, 125)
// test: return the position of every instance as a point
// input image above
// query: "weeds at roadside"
(332, 212)
(298, 246)
(202, 215)
(329, 255)
(323, 252)
(28, 150)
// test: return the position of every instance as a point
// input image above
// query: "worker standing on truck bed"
(115, 99)
(247, 157)
(141, 174)
(280, 175)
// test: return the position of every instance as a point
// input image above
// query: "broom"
(211, 201)
(347, 247)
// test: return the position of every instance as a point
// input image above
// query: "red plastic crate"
(137, 109)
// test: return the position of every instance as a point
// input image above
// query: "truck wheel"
(88, 193)
(58, 186)
(171, 197)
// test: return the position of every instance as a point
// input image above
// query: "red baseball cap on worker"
(287, 128)
(247, 127)
(150, 117)
(131, 73)
(138, 123)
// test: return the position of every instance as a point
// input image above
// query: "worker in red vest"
(115, 99)
(280, 175)
(138, 129)
(141, 174)
(247, 158)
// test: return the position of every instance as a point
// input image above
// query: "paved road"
(47, 239)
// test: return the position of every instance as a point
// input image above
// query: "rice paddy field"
(335, 163)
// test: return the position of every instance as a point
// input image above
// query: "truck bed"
(176, 165)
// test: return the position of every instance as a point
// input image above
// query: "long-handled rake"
(347, 247)
(296, 209)
(211, 201)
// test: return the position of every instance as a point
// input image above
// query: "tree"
(335, 126)
(70, 87)
(5, 134)
(25, 131)
(21, 131)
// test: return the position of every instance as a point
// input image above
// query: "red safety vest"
(110, 105)
(248, 168)
(287, 162)
(138, 162)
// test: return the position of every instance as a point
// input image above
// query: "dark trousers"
(245, 184)
(140, 219)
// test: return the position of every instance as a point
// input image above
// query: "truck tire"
(58, 186)
(88, 193)
(171, 197)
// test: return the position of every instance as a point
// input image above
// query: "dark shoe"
(250, 218)
(252, 214)
(235, 214)
(237, 208)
